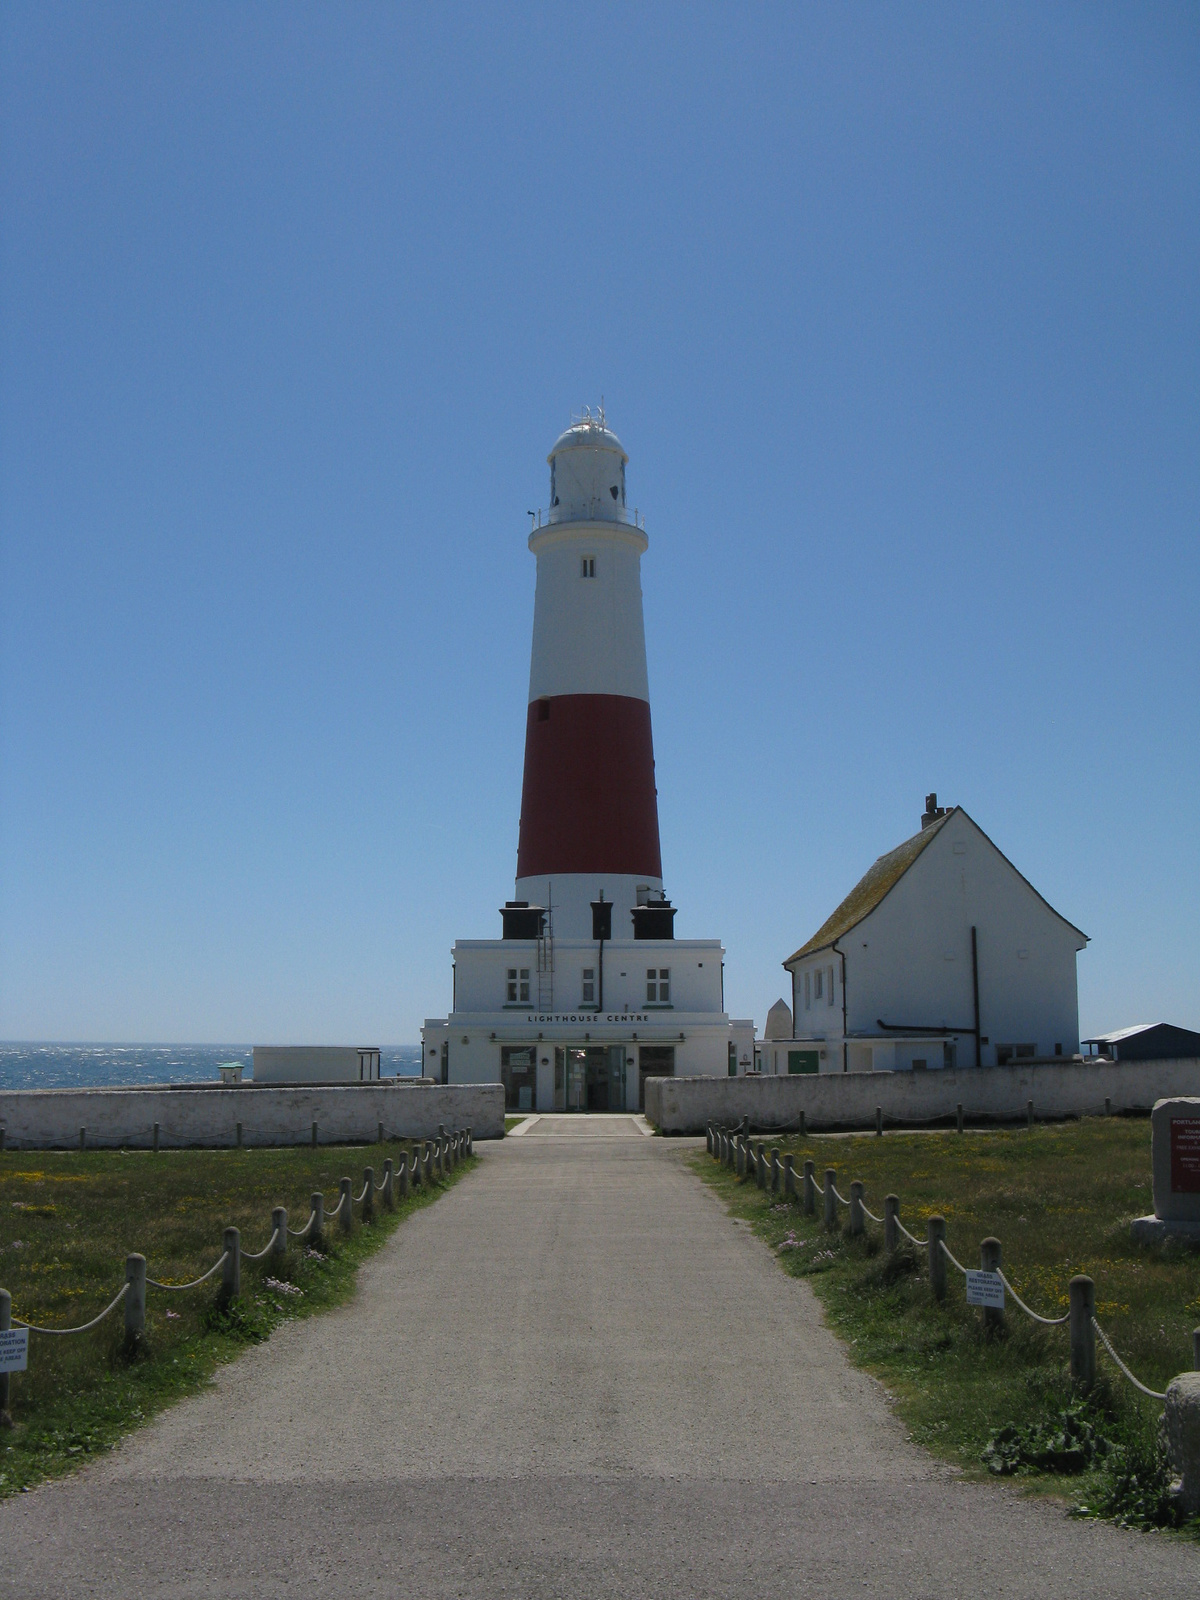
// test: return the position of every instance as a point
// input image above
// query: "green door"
(804, 1061)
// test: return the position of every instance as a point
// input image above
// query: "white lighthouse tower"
(587, 992)
(589, 808)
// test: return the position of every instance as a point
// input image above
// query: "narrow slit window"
(587, 566)
(588, 994)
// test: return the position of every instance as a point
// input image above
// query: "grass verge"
(67, 1221)
(1060, 1199)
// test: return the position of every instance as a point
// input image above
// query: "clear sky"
(896, 311)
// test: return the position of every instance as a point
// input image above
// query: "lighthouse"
(587, 992)
(589, 807)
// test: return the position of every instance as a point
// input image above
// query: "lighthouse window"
(818, 982)
(587, 567)
(588, 996)
(518, 986)
(614, 491)
(658, 986)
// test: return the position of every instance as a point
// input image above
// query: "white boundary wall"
(49, 1119)
(848, 1100)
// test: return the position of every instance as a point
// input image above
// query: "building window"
(587, 566)
(658, 986)
(818, 983)
(518, 986)
(808, 991)
(588, 996)
(829, 983)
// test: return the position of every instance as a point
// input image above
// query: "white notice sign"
(985, 1289)
(14, 1349)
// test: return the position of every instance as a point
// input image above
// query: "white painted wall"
(481, 972)
(678, 1105)
(208, 1116)
(909, 961)
(588, 634)
(298, 1063)
(570, 894)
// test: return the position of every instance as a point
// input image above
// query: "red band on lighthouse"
(588, 802)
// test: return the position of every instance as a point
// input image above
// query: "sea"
(96, 1066)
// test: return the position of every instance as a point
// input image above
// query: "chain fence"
(413, 1168)
(733, 1147)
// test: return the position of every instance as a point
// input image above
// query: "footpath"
(574, 1375)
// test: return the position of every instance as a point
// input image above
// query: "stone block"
(1175, 1139)
(1181, 1424)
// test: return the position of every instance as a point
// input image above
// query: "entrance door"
(803, 1061)
(518, 1073)
(654, 1061)
(594, 1078)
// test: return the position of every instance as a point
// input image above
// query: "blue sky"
(895, 309)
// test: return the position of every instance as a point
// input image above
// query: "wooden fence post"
(231, 1268)
(989, 1260)
(936, 1231)
(1029, 1112)
(879, 1122)
(238, 1136)
(760, 1164)
(5, 1325)
(789, 1176)
(857, 1220)
(830, 1197)
(891, 1219)
(368, 1212)
(1082, 1300)
(810, 1189)
(314, 1133)
(316, 1204)
(346, 1205)
(279, 1233)
(389, 1198)
(135, 1300)
(775, 1172)
(960, 1117)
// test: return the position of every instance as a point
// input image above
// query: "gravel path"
(573, 1375)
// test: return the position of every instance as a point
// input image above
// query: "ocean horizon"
(43, 1064)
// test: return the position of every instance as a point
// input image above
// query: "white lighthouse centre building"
(587, 992)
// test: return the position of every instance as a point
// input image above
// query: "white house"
(941, 955)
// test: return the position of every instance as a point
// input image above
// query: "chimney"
(932, 810)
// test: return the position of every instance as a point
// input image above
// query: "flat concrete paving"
(573, 1375)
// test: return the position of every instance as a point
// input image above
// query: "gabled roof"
(870, 889)
(883, 877)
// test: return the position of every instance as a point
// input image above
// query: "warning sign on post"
(985, 1289)
(14, 1349)
(1185, 1155)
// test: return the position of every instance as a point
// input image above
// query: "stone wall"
(192, 1115)
(848, 1100)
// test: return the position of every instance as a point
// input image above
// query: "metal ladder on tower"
(545, 962)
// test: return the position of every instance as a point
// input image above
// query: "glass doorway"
(518, 1073)
(589, 1078)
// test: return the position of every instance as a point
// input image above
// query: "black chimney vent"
(521, 920)
(601, 919)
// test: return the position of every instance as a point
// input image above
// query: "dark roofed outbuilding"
(1147, 1041)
